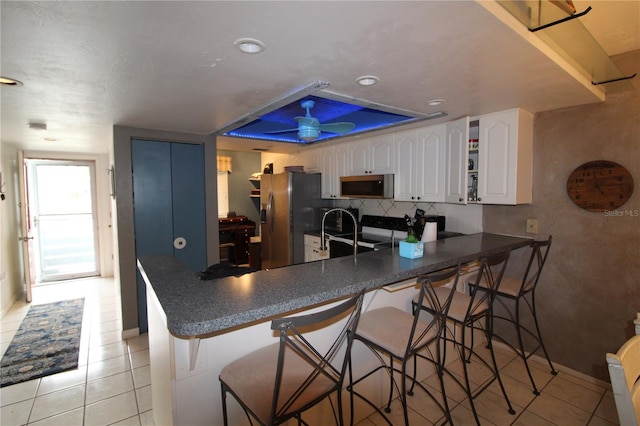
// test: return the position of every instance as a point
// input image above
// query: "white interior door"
(25, 238)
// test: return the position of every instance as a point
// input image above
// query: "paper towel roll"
(430, 232)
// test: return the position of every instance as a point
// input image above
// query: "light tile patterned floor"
(112, 383)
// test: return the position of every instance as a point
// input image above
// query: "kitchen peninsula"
(196, 327)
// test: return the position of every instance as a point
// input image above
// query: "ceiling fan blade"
(273, 132)
(343, 127)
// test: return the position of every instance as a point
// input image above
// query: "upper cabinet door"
(341, 166)
(359, 160)
(328, 170)
(372, 156)
(382, 154)
(420, 157)
(405, 180)
(335, 162)
(457, 156)
(505, 157)
(430, 172)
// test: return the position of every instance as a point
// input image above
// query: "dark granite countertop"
(196, 308)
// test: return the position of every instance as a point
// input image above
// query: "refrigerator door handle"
(271, 213)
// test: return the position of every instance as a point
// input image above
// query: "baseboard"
(543, 361)
(131, 333)
(14, 299)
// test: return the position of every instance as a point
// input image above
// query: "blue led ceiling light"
(329, 115)
(309, 127)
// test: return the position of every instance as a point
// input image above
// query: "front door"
(62, 219)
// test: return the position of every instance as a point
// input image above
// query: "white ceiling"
(172, 65)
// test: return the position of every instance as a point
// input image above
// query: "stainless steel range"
(379, 232)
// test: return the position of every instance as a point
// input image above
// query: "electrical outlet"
(532, 226)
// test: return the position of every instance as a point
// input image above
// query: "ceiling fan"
(309, 127)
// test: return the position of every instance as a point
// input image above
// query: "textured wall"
(12, 282)
(590, 290)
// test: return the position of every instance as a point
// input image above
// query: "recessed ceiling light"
(367, 80)
(249, 45)
(435, 102)
(8, 81)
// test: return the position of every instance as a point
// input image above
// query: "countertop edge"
(195, 308)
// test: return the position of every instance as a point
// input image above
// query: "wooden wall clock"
(600, 185)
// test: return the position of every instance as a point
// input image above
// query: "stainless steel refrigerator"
(289, 207)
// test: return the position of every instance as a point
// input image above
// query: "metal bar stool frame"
(524, 297)
(326, 371)
(477, 307)
(420, 336)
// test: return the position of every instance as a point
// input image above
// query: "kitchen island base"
(184, 372)
(197, 327)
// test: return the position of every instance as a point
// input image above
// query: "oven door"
(339, 249)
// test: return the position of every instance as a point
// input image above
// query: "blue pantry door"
(169, 206)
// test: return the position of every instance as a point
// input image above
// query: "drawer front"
(311, 240)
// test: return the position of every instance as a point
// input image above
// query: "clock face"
(600, 185)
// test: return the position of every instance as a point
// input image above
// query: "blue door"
(169, 206)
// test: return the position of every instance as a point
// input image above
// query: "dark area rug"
(47, 342)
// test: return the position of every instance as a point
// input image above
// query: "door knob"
(180, 243)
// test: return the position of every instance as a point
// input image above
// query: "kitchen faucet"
(323, 244)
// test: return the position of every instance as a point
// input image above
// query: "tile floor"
(566, 399)
(112, 385)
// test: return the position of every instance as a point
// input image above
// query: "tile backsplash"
(465, 219)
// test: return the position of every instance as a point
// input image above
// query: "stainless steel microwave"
(367, 186)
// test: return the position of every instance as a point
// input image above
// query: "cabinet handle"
(460, 199)
(479, 199)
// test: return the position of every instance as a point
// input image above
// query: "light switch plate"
(532, 226)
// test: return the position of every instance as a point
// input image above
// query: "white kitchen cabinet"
(420, 157)
(457, 157)
(500, 170)
(505, 157)
(312, 247)
(311, 159)
(334, 162)
(372, 156)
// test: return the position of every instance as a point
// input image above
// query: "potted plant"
(411, 247)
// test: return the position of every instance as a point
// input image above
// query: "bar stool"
(280, 381)
(467, 312)
(402, 336)
(514, 295)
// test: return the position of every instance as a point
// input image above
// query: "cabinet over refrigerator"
(289, 204)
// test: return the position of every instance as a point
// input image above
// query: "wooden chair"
(280, 381)
(624, 371)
